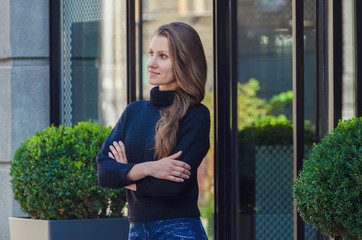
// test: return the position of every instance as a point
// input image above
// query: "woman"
(157, 145)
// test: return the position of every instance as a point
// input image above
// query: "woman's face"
(159, 64)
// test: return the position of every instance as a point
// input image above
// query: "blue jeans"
(168, 229)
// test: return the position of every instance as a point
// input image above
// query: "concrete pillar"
(24, 87)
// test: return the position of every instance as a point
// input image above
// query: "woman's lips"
(153, 74)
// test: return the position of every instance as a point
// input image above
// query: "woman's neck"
(161, 98)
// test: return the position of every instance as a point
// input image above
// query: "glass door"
(265, 115)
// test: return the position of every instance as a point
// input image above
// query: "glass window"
(265, 122)
(94, 60)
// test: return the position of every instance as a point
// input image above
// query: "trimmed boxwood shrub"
(328, 189)
(54, 175)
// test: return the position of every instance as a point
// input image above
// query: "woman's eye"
(163, 56)
(150, 53)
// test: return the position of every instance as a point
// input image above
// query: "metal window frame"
(298, 105)
(322, 84)
(358, 57)
(329, 65)
(225, 79)
(322, 73)
(234, 121)
(328, 69)
(54, 61)
(131, 51)
(336, 54)
(140, 50)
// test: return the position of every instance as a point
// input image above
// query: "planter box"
(87, 229)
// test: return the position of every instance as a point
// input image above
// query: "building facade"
(288, 64)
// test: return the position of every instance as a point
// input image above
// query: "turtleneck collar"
(161, 98)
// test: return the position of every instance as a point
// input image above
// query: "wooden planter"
(87, 229)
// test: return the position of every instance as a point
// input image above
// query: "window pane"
(265, 111)
(93, 61)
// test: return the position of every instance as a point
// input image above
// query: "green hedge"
(328, 189)
(278, 134)
(54, 175)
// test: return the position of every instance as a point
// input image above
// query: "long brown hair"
(190, 70)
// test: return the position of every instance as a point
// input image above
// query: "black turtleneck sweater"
(156, 199)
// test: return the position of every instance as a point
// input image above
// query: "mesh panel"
(74, 11)
(273, 193)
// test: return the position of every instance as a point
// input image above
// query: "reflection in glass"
(80, 51)
(113, 62)
(265, 116)
(93, 61)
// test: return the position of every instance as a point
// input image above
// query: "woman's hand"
(170, 168)
(118, 152)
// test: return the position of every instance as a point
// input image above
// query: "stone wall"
(24, 87)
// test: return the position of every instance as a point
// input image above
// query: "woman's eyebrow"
(164, 51)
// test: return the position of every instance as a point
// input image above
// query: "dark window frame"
(322, 73)
(337, 60)
(358, 66)
(298, 105)
(140, 50)
(131, 51)
(224, 177)
(54, 61)
(323, 78)
(322, 83)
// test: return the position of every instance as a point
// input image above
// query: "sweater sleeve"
(112, 174)
(194, 142)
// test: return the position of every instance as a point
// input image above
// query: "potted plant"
(328, 189)
(54, 179)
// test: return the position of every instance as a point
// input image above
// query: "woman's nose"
(151, 62)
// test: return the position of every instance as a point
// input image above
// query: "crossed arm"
(168, 168)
